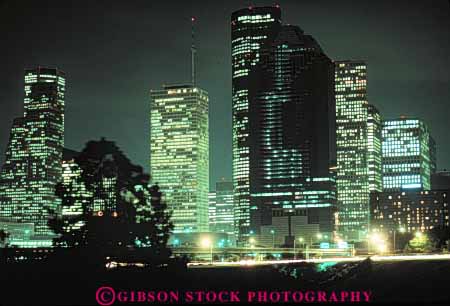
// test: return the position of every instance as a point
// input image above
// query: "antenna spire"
(193, 51)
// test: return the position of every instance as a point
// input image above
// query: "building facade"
(418, 210)
(287, 226)
(33, 158)
(408, 154)
(283, 111)
(179, 153)
(221, 209)
(251, 29)
(282, 122)
(375, 170)
(352, 148)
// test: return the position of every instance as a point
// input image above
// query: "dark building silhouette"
(440, 179)
(251, 29)
(283, 121)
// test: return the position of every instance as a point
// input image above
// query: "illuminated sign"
(324, 245)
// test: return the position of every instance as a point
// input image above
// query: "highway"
(376, 258)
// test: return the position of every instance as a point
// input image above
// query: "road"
(333, 259)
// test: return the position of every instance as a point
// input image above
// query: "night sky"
(113, 53)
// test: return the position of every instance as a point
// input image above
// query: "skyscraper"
(374, 126)
(408, 154)
(352, 148)
(283, 103)
(251, 29)
(221, 209)
(179, 153)
(32, 165)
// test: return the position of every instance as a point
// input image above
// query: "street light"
(379, 242)
(206, 242)
(273, 238)
(295, 253)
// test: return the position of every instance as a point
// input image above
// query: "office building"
(221, 209)
(288, 225)
(32, 166)
(352, 146)
(413, 210)
(179, 153)
(251, 29)
(283, 115)
(374, 126)
(408, 154)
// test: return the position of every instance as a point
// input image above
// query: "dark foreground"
(425, 282)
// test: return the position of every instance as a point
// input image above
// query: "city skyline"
(152, 149)
(124, 97)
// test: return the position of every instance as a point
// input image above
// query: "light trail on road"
(377, 258)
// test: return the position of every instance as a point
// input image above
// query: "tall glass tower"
(251, 29)
(352, 149)
(283, 104)
(374, 126)
(179, 153)
(34, 154)
(408, 154)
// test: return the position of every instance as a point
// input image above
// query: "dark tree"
(441, 235)
(132, 214)
(4, 235)
(160, 220)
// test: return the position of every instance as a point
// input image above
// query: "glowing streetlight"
(206, 242)
(378, 241)
(273, 238)
(295, 253)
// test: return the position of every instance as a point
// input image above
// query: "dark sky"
(114, 52)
